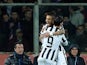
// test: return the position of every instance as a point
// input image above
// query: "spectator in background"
(76, 17)
(74, 56)
(5, 24)
(69, 26)
(14, 24)
(18, 57)
(20, 38)
(22, 12)
(70, 39)
(27, 26)
(10, 9)
(83, 11)
(81, 38)
(4, 31)
(80, 30)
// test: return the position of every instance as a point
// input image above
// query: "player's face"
(74, 51)
(19, 49)
(49, 19)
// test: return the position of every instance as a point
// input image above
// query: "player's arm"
(59, 32)
(64, 40)
(47, 34)
(41, 36)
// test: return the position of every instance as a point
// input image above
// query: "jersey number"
(50, 40)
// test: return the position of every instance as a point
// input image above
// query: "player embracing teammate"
(52, 38)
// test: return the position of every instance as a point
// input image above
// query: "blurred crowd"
(74, 20)
(16, 24)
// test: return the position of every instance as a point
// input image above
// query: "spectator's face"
(80, 30)
(28, 14)
(23, 8)
(19, 49)
(49, 19)
(14, 15)
(66, 19)
(74, 51)
(5, 18)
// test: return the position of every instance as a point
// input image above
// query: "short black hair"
(18, 42)
(58, 20)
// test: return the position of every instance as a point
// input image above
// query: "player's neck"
(49, 25)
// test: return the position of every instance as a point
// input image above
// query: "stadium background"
(37, 10)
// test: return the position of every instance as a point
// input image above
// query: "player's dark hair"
(58, 20)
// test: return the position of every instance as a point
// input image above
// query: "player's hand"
(42, 36)
(62, 31)
(47, 34)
